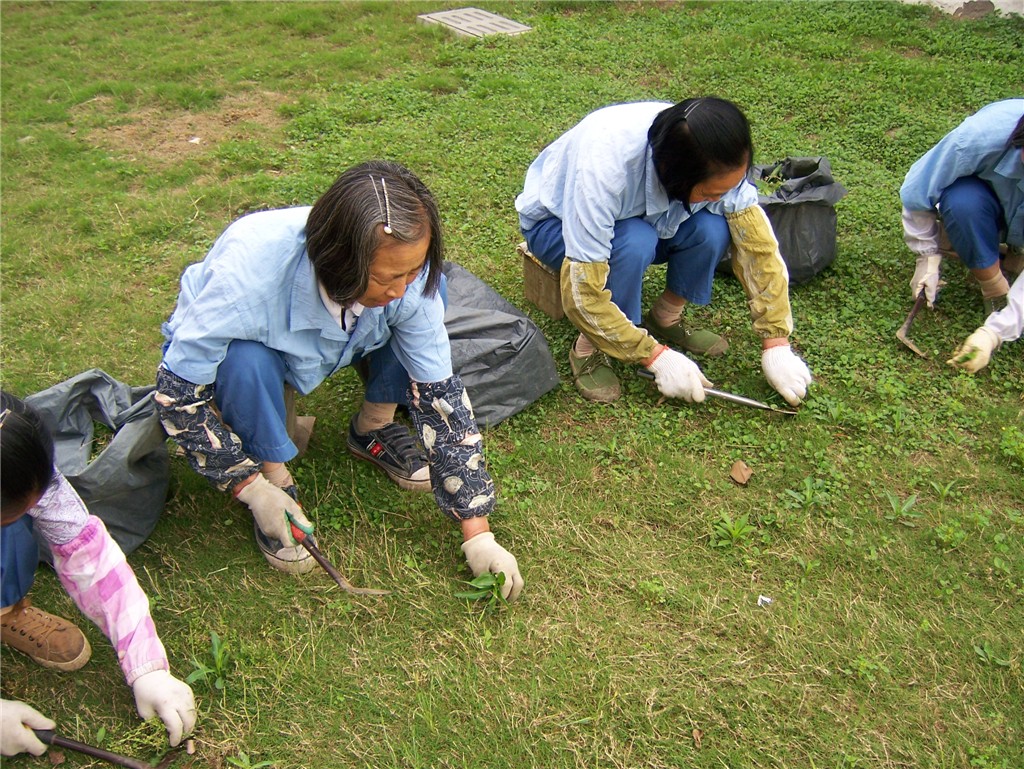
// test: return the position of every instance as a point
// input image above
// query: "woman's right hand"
(17, 720)
(678, 377)
(270, 507)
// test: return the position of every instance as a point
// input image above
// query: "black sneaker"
(392, 449)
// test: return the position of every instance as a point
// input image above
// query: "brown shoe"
(47, 639)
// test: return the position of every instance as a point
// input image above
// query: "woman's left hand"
(786, 372)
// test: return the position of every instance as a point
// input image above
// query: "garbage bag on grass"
(801, 207)
(501, 355)
(121, 469)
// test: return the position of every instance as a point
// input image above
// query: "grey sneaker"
(393, 449)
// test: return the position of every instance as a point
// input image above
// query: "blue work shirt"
(257, 284)
(976, 147)
(600, 172)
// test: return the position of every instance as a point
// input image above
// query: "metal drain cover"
(473, 22)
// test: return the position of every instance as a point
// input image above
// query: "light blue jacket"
(601, 172)
(257, 284)
(976, 147)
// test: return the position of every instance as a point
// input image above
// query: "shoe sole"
(301, 565)
(406, 483)
(596, 397)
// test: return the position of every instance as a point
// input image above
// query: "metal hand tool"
(901, 334)
(740, 399)
(303, 539)
(49, 737)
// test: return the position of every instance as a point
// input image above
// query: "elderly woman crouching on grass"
(289, 297)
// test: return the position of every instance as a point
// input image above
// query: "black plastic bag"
(802, 212)
(124, 482)
(501, 355)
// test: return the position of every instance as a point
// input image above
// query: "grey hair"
(350, 222)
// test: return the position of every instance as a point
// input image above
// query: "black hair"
(347, 225)
(1017, 136)
(26, 454)
(697, 139)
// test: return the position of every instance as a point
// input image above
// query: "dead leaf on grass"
(698, 736)
(740, 472)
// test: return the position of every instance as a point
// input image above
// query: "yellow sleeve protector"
(589, 306)
(757, 263)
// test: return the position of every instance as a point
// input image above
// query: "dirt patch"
(162, 138)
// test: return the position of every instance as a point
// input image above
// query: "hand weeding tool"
(904, 330)
(303, 539)
(49, 737)
(732, 398)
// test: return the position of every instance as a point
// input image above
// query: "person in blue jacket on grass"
(966, 196)
(288, 297)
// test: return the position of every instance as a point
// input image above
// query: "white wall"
(951, 6)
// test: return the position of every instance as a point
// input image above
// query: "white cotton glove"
(158, 693)
(678, 377)
(926, 277)
(976, 351)
(17, 720)
(786, 372)
(269, 505)
(484, 555)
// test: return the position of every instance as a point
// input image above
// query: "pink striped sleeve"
(96, 575)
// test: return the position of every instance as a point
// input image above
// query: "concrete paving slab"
(473, 22)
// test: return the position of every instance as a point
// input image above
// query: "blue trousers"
(19, 556)
(974, 221)
(692, 255)
(250, 392)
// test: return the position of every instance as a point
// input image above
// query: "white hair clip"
(385, 210)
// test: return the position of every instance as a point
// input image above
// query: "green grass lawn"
(885, 522)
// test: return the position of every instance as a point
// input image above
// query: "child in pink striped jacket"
(92, 569)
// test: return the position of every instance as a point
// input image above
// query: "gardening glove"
(926, 277)
(786, 372)
(976, 351)
(17, 720)
(678, 377)
(269, 505)
(158, 693)
(484, 555)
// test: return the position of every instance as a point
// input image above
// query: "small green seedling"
(730, 533)
(811, 494)
(964, 357)
(989, 656)
(901, 509)
(244, 762)
(943, 491)
(486, 587)
(218, 674)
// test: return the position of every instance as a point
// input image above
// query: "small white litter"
(763, 600)
(473, 22)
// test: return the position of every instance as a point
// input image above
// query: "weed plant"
(885, 522)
